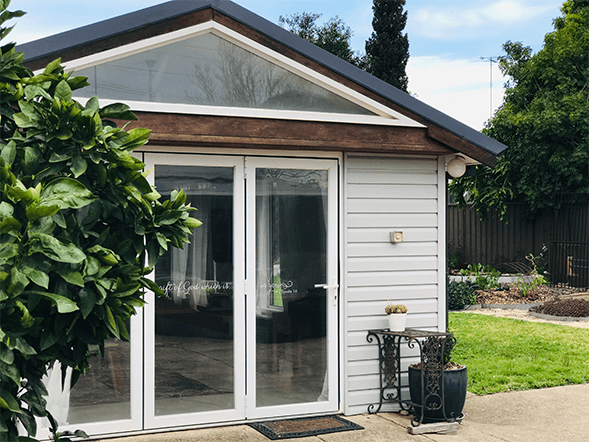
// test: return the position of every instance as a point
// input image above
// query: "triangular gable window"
(209, 70)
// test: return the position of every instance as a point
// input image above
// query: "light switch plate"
(396, 237)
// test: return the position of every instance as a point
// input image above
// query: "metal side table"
(431, 348)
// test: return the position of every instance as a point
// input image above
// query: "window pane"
(209, 70)
(194, 321)
(291, 321)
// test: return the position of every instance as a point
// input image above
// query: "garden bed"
(512, 295)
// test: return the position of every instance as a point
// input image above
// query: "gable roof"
(441, 126)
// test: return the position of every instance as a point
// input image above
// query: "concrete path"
(559, 414)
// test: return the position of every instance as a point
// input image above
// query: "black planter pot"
(454, 396)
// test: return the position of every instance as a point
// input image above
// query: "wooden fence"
(493, 242)
(562, 237)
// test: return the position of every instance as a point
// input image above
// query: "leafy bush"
(486, 277)
(461, 294)
(454, 259)
(80, 230)
(525, 287)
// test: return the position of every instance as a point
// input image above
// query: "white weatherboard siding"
(382, 195)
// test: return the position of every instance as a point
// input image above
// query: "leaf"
(87, 301)
(56, 249)
(9, 371)
(11, 226)
(8, 251)
(55, 64)
(18, 192)
(32, 91)
(23, 346)
(66, 193)
(117, 111)
(9, 153)
(152, 286)
(72, 277)
(111, 323)
(169, 217)
(126, 290)
(28, 421)
(161, 239)
(59, 157)
(192, 223)
(26, 320)
(18, 282)
(28, 111)
(63, 304)
(137, 138)
(106, 256)
(8, 402)
(49, 339)
(37, 276)
(81, 433)
(6, 209)
(79, 166)
(92, 106)
(63, 91)
(34, 212)
(91, 266)
(6, 355)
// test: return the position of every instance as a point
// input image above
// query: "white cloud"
(456, 21)
(459, 88)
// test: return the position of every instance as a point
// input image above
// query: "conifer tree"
(387, 49)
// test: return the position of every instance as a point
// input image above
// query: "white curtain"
(189, 266)
(264, 266)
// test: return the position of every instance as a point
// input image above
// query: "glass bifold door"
(248, 325)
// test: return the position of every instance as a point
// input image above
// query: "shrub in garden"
(461, 294)
(80, 229)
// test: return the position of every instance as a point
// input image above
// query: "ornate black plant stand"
(431, 348)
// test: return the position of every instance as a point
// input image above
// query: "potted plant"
(443, 401)
(397, 314)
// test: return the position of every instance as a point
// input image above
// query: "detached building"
(301, 166)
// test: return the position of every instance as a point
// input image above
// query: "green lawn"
(503, 354)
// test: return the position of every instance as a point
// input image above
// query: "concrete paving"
(544, 415)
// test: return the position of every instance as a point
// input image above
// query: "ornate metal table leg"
(389, 356)
(432, 377)
(370, 337)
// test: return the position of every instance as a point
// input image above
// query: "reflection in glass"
(209, 70)
(194, 322)
(104, 393)
(291, 245)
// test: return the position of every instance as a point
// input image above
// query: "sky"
(450, 41)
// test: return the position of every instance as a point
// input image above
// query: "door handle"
(333, 286)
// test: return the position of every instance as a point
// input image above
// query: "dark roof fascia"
(176, 8)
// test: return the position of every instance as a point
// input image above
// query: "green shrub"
(461, 294)
(486, 277)
(455, 259)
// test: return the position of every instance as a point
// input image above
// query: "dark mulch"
(575, 308)
(512, 295)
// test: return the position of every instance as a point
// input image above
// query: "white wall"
(381, 195)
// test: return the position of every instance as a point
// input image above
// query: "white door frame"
(254, 412)
(238, 413)
(245, 284)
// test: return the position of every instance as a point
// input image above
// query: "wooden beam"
(460, 145)
(439, 428)
(241, 132)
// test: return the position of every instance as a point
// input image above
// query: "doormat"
(304, 427)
